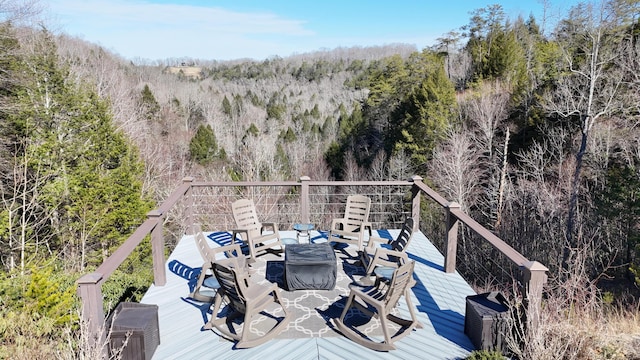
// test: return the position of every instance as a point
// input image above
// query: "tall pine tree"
(424, 116)
(88, 175)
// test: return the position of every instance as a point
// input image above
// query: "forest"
(535, 132)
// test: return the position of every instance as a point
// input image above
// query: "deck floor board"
(439, 298)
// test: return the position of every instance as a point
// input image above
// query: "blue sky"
(258, 29)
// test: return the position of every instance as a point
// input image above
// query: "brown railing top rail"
(244, 183)
(297, 183)
(498, 243)
(122, 252)
(175, 196)
(432, 194)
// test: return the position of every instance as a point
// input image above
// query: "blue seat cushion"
(211, 282)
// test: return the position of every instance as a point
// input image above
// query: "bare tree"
(486, 111)
(400, 166)
(24, 214)
(353, 172)
(454, 168)
(589, 89)
(20, 12)
(378, 171)
(534, 205)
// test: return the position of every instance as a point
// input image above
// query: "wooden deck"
(439, 298)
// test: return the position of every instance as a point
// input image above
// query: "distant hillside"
(192, 72)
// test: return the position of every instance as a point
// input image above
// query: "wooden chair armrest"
(232, 250)
(373, 240)
(270, 225)
(382, 252)
(382, 257)
(367, 225)
(236, 232)
(335, 222)
(364, 293)
(259, 291)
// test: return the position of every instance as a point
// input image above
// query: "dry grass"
(24, 336)
(618, 332)
(576, 321)
(193, 72)
(567, 331)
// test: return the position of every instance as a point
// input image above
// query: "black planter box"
(485, 321)
(141, 321)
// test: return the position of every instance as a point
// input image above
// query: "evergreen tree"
(288, 136)
(88, 174)
(424, 116)
(619, 203)
(149, 103)
(387, 86)
(226, 106)
(350, 126)
(238, 105)
(203, 147)
(252, 130)
(484, 32)
(282, 159)
(334, 157)
(12, 129)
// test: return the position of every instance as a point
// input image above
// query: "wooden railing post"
(189, 205)
(90, 293)
(415, 202)
(451, 242)
(534, 278)
(304, 199)
(157, 248)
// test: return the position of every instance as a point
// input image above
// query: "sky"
(261, 29)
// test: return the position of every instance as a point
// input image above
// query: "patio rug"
(312, 310)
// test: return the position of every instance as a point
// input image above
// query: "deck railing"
(301, 199)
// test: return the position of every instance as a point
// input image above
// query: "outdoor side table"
(303, 232)
(310, 266)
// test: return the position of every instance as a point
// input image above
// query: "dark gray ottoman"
(310, 266)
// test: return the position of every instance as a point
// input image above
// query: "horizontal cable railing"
(390, 204)
(306, 201)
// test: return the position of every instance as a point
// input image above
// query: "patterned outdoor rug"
(312, 310)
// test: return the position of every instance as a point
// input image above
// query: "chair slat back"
(402, 279)
(203, 247)
(231, 286)
(356, 212)
(406, 233)
(246, 217)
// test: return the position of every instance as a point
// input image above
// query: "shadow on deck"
(439, 298)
